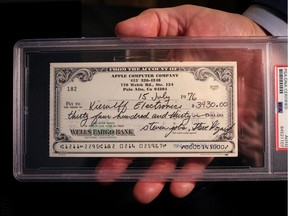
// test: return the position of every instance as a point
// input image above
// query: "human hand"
(186, 20)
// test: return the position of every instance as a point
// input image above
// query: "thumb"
(157, 22)
(187, 20)
(144, 25)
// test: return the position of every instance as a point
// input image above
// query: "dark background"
(73, 19)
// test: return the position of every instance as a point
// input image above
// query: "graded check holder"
(79, 102)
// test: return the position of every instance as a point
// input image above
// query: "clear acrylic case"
(157, 137)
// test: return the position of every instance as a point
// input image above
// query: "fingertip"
(110, 169)
(146, 192)
(181, 189)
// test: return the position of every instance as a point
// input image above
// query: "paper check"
(143, 109)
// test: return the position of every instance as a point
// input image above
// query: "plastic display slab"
(117, 109)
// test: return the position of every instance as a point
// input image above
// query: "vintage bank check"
(143, 109)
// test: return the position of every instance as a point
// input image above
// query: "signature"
(200, 126)
(214, 126)
(153, 126)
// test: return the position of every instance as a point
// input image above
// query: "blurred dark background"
(73, 19)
